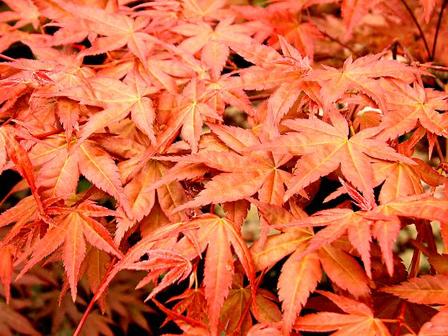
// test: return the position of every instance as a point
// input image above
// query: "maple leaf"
(213, 43)
(283, 20)
(302, 271)
(98, 325)
(203, 9)
(422, 206)
(402, 180)
(218, 235)
(239, 306)
(142, 195)
(353, 11)
(118, 30)
(181, 104)
(119, 99)
(284, 73)
(301, 35)
(388, 306)
(227, 90)
(325, 147)
(71, 232)
(359, 319)
(24, 213)
(19, 156)
(427, 289)
(382, 222)
(360, 75)
(412, 104)
(244, 174)
(59, 168)
(174, 268)
(188, 116)
(192, 302)
(146, 195)
(22, 12)
(307, 273)
(94, 267)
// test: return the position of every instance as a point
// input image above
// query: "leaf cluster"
(250, 167)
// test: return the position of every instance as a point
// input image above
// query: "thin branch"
(422, 35)
(342, 44)
(436, 35)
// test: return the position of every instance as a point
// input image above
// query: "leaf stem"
(436, 34)
(420, 30)
(439, 151)
(173, 315)
(415, 263)
(342, 44)
(409, 329)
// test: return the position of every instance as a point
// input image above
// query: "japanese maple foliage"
(224, 167)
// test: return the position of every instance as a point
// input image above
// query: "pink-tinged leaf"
(359, 319)
(236, 211)
(362, 75)
(332, 148)
(353, 11)
(412, 104)
(174, 267)
(277, 247)
(44, 247)
(143, 115)
(310, 170)
(419, 206)
(71, 232)
(360, 237)
(6, 269)
(386, 232)
(337, 222)
(19, 156)
(399, 180)
(23, 211)
(97, 235)
(59, 176)
(99, 168)
(24, 12)
(298, 278)
(226, 187)
(74, 252)
(343, 269)
(427, 289)
(218, 276)
(282, 100)
(236, 138)
(68, 113)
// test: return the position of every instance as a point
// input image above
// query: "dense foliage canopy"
(224, 167)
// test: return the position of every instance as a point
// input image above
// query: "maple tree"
(224, 167)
